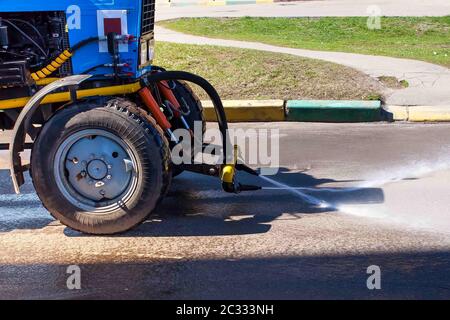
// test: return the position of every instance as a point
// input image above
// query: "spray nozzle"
(228, 174)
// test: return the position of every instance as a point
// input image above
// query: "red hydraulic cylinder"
(153, 107)
(163, 86)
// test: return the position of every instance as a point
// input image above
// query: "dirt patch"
(393, 82)
(252, 74)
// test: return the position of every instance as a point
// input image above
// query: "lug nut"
(99, 184)
(108, 177)
(75, 160)
(83, 173)
(102, 192)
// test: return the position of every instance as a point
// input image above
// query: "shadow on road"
(196, 206)
(404, 275)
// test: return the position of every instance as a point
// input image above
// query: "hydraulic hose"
(52, 67)
(82, 43)
(209, 89)
(60, 60)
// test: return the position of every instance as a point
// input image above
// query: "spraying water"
(416, 219)
(308, 198)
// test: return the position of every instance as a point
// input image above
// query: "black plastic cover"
(14, 73)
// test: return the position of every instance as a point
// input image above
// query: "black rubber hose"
(23, 34)
(44, 43)
(209, 89)
(102, 65)
(83, 43)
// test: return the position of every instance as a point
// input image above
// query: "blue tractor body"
(92, 18)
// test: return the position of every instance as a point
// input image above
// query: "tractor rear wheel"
(186, 96)
(101, 167)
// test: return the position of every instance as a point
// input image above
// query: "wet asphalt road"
(388, 186)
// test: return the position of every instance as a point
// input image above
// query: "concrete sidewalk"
(428, 83)
(308, 9)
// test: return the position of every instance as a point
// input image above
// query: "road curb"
(324, 111)
(248, 110)
(333, 111)
(419, 113)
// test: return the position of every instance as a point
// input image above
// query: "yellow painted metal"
(46, 81)
(227, 173)
(229, 170)
(65, 96)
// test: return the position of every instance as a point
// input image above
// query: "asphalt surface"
(314, 8)
(387, 192)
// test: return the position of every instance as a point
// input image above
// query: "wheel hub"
(96, 167)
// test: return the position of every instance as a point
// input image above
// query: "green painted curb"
(333, 111)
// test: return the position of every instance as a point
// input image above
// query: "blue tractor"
(76, 76)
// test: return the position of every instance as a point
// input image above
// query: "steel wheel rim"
(101, 189)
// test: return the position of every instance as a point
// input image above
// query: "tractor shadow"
(196, 206)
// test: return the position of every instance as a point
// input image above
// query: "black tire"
(131, 125)
(131, 106)
(183, 92)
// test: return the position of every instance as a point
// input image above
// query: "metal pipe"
(209, 89)
(65, 96)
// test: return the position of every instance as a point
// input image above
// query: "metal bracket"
(17, 142)
(202, 168)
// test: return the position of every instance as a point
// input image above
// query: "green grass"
(251, 74)
(421, 38)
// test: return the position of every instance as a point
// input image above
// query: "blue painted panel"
(86, 27)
